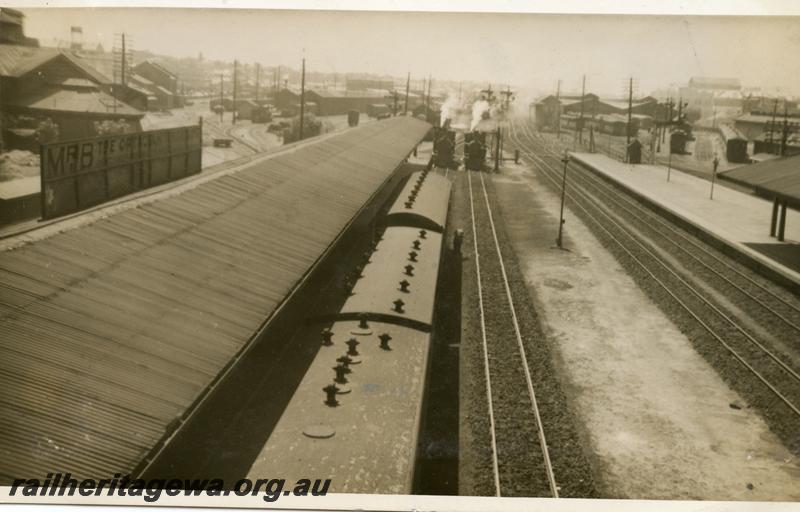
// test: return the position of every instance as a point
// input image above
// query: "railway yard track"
(747, 327)
(520, 454)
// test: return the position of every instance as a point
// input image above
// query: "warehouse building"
(332, 102)
(42, 87)
(360, 84)
(548, 109)
(161, 82)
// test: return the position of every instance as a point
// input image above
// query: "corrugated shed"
(774, 178)
(109, 332)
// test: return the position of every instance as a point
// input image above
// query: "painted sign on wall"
(83, 173)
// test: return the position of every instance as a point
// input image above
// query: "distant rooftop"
(706, 82)
(17, 61)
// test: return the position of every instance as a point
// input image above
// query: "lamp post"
(714, 176)
(669, 158)
(563, 193)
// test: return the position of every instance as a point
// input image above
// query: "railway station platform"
(116, 324)
(733, 220)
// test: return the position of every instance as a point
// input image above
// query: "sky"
(530, 51)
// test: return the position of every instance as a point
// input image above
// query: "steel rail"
(528, 380)
(495, 463)
(708, 303)
(603, 187)
(549, 175)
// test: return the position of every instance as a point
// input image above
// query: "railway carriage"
(356, 415)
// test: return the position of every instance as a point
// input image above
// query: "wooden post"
(782, 223)
(774, 222)
(42, 190)
(105, 171)
(200, 147)
(169, 154)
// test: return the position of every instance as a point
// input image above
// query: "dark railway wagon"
(736, 151)
(262, 115)
(353, 117)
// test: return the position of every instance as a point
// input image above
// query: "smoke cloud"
(478, 109)
(449, 107)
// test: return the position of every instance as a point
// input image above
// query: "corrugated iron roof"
(110, 331)
(17, 61)
(13, 56)
(773, 178)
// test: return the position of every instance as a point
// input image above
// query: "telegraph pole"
(408, 85)
(428, 98)
(558, 110)
(785, 131)
(123, 59)
(258, 75)
(221, 97)
(770, 137)
(583, 100)
(630, 115)
(235, 66)
(302, 97)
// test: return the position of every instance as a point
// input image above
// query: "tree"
(47, 131)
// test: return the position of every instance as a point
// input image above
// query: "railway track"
(747, 328)
(520, 456)
(717, 270)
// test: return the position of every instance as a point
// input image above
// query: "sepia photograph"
(284, 254)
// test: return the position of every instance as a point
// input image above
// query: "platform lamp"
(714, 175)
(669, 158)
(565, 159)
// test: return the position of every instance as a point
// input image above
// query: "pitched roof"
(158, 66)
(17, 61)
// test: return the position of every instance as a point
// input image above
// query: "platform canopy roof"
(111, 331)
(772, 179)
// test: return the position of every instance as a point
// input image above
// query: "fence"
(82, 173)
